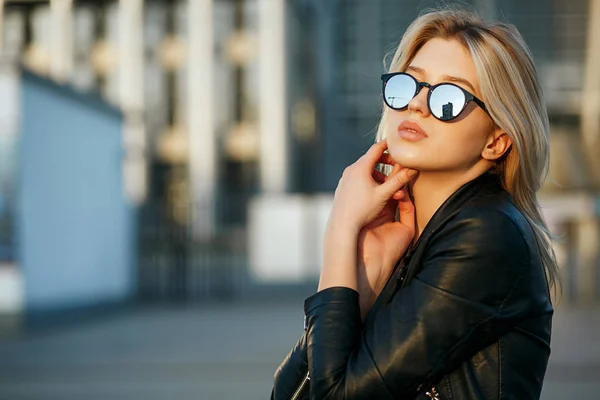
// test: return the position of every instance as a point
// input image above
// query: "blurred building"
(226, 101)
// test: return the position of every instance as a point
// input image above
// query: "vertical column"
(588, 237)
(1, 27)
(61, 31)
(200, 118)
(131, 53)
(590, 99)
(272, 108)
(131, 97)
(590, 123)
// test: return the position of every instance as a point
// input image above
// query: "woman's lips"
(411, 131)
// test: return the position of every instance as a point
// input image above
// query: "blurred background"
(167, 168)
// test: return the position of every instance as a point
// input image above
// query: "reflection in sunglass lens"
(446, 102)
(399, 90)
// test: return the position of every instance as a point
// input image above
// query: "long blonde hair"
(513, 96)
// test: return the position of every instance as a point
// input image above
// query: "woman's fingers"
(386, 159)
(397, 181)
(399, 195)
(374, 153)
(407, 210)
(379, 176)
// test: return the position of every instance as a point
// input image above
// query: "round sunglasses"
(445, 100)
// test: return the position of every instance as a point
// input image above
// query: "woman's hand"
(360, 198)
(382, 242)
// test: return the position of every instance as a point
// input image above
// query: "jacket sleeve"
(291, 371)
(470, 290)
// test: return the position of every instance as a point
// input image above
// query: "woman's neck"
(431, 189)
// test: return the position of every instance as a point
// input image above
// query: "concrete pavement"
(219, 351)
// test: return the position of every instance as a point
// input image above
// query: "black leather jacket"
(466, 314)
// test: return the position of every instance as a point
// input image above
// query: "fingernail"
(412, 173)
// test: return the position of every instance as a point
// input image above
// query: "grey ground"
(219, 351)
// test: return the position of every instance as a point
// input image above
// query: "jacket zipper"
(301, 387)
(433, 394)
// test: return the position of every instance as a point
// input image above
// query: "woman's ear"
(498, 144)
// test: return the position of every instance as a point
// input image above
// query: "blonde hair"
(510, 89)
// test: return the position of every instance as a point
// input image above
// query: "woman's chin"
(407, 160)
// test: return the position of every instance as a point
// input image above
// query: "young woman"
(450, 300)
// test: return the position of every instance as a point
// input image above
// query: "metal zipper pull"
(302, 387)
(433, 394)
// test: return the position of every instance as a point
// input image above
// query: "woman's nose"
(419, 102)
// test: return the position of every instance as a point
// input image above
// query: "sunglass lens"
(446, 102)
(399, 90)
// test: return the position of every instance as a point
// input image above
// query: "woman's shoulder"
(490, 229)
(483, 212)
(498, 213)
(492, 223)
(489, 246)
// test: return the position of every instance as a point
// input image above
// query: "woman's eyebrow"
(451, 78)
(448, 78)
(415, 69)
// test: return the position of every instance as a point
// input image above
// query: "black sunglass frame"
(419, 85)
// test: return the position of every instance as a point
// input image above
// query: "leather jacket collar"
(487, 184)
